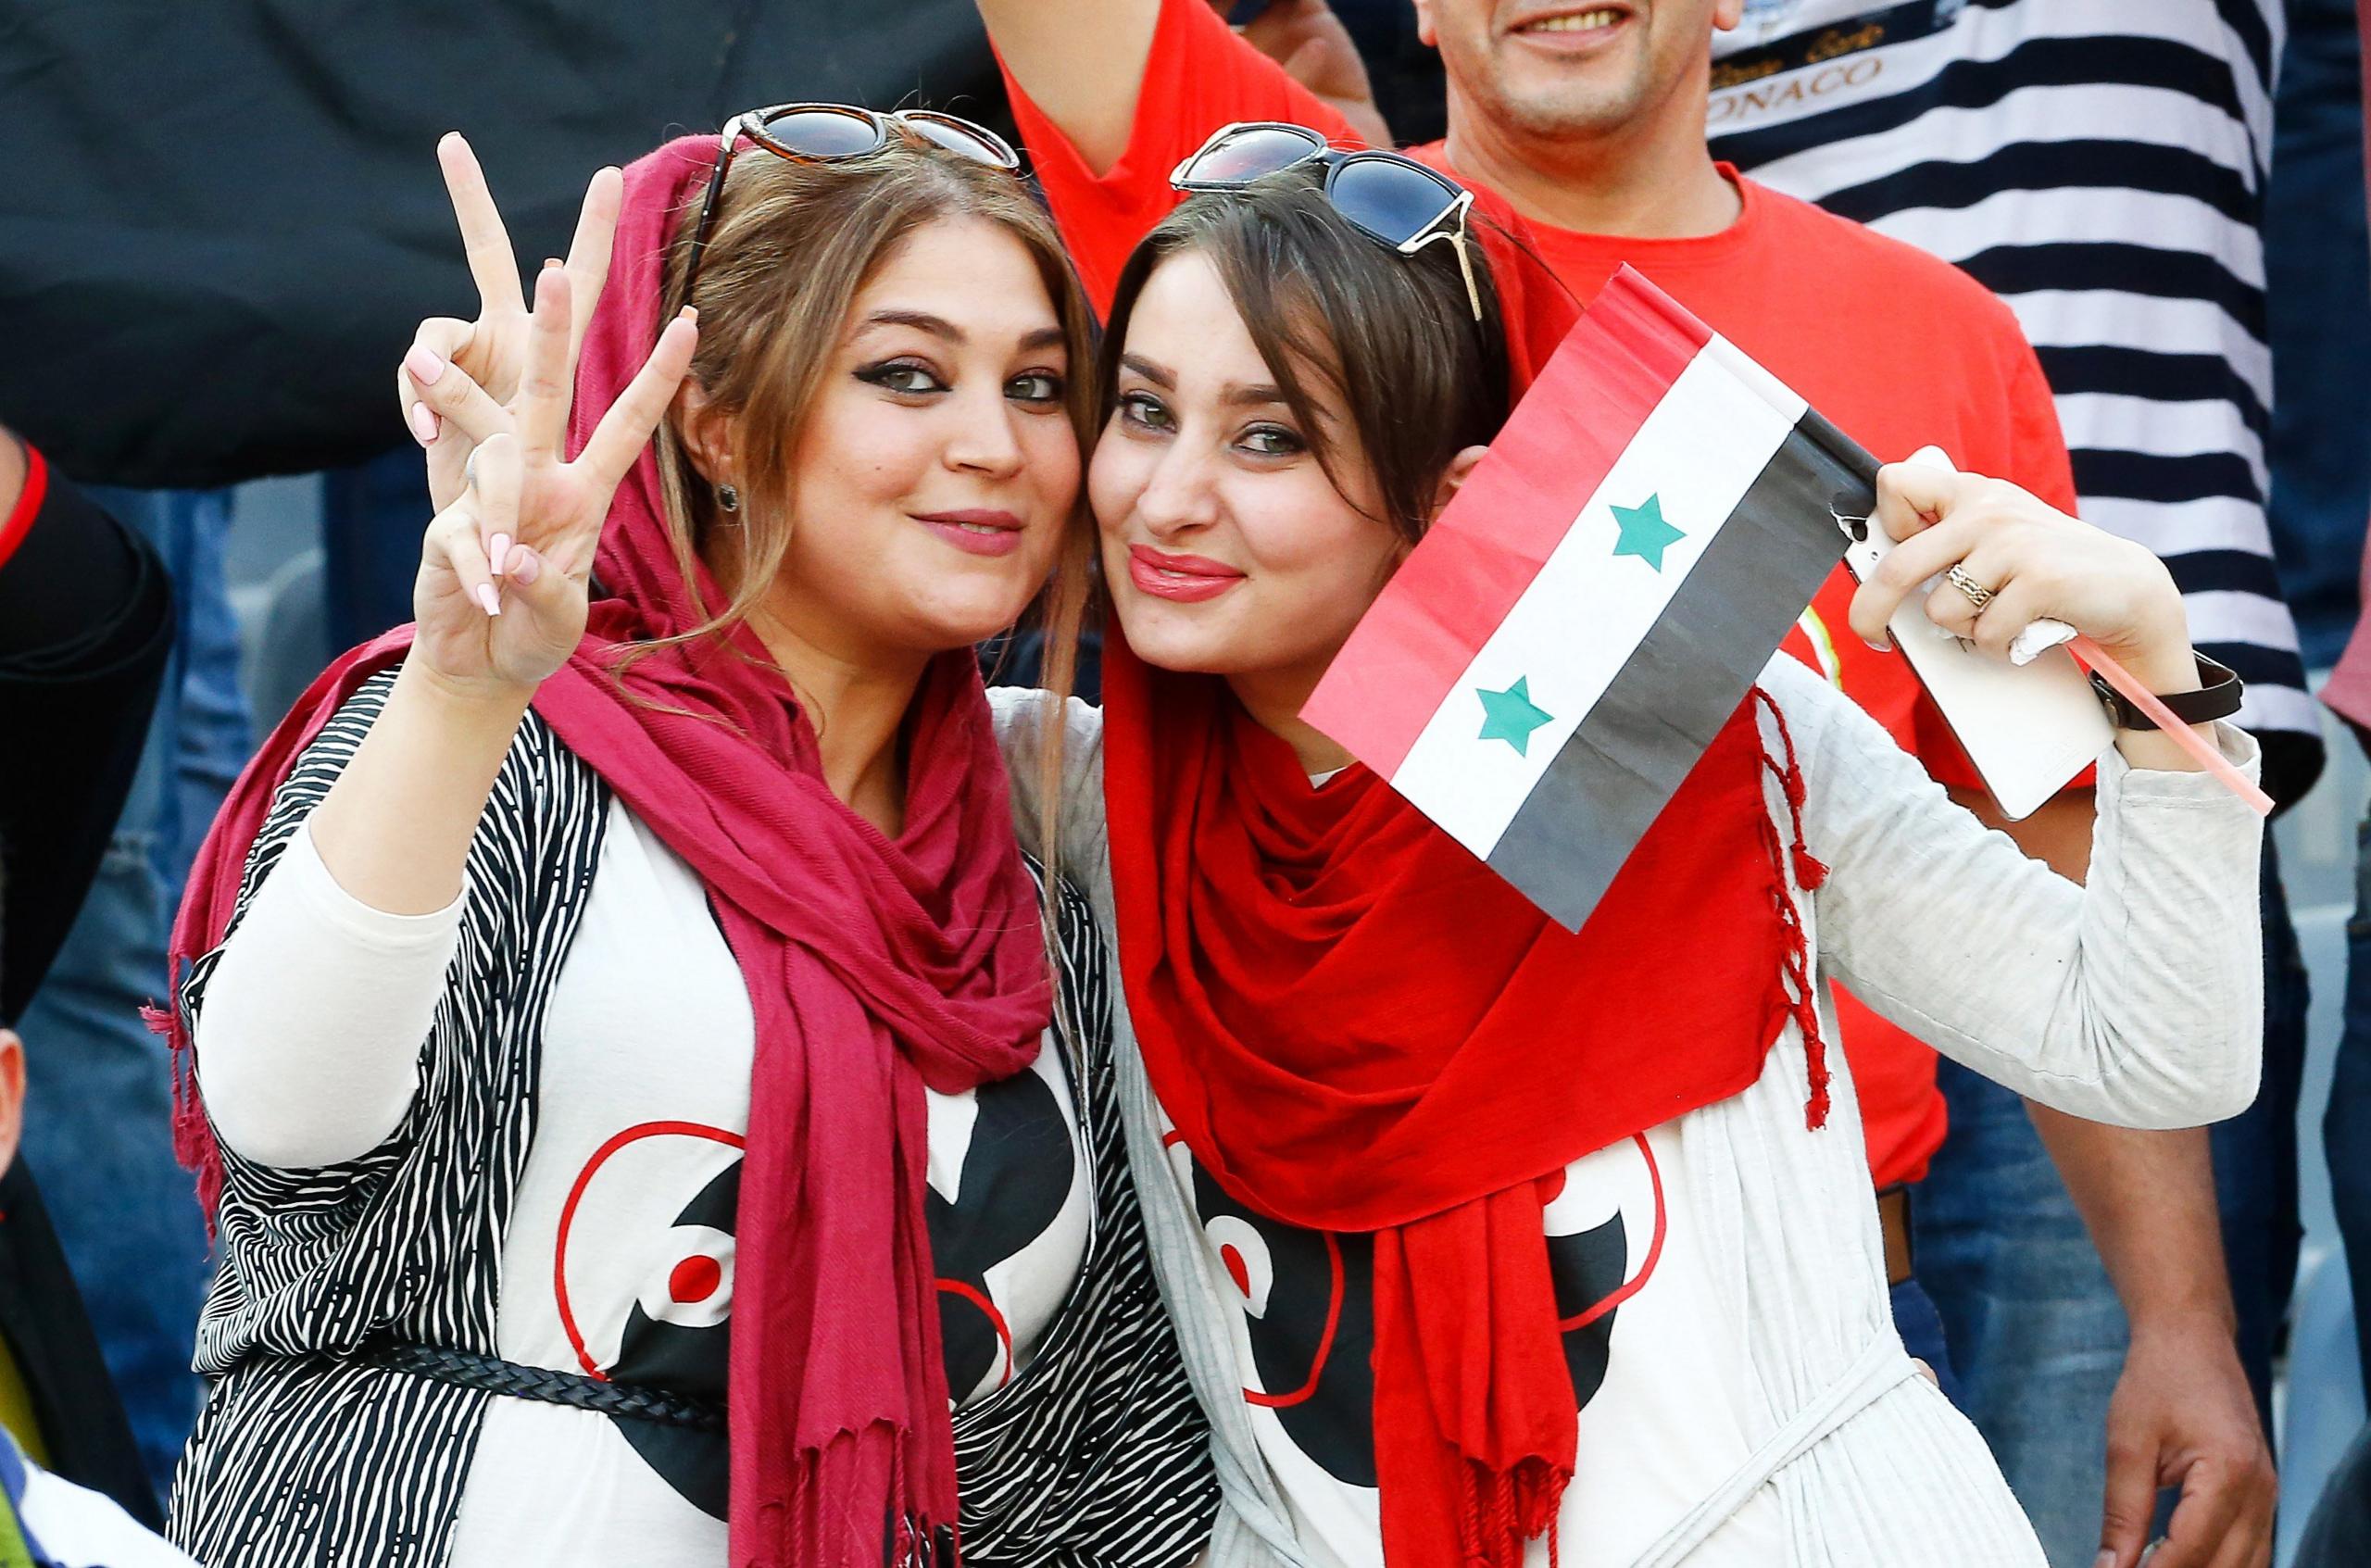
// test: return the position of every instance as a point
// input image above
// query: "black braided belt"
(466, 1369)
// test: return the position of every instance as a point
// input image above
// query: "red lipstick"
(1185, 579)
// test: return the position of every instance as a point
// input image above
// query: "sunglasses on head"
(1389, 198)
(836, 134)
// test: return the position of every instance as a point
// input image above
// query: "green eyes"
(911, 377)
(1146, 412)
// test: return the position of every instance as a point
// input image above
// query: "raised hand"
(2026, 560)
(505, 567)
(492, 350)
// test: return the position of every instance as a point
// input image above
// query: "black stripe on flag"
(1679, 685)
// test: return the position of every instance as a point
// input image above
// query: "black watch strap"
(2218, 697)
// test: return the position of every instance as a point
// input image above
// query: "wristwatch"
(2218, 697)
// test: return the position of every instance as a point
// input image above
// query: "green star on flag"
(1511, 715)
(1644, 532)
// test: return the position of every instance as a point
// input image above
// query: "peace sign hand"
(505, 567)
(492, 350)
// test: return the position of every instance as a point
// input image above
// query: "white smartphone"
(2029, 728)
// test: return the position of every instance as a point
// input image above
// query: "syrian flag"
(1548, 664)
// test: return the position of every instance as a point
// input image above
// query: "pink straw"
(2094, 657)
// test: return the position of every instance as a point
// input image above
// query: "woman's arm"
(1081, 62)
(500, 602)
(2135, 999)
(310, 1021)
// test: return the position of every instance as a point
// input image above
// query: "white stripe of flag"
(1588, 610)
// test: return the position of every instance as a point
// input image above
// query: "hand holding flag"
(1598, 598)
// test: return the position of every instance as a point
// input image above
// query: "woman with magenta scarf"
(652, 1111)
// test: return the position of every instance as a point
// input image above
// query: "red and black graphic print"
(1590, 1266)
(1308, 1307)
(676, 1333)
(678, 1338)
(1017, 1167)
(1307, 1303)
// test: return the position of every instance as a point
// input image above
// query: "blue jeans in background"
(372, 517)
(2317, 272)
(1920, 1328)
(2256, 1155)
(99, 1121)
(2036, 1334)
(2338, 1535)
(2346, 1125)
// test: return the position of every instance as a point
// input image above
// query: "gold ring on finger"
(1977, 593)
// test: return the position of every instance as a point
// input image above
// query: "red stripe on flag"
(1409, 651)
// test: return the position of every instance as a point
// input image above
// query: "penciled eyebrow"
(940, 327)
(1160, 376)
(1257, 395)
(920, 321)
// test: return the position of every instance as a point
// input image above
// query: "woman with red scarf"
(1492, 1244)
(644, 1121)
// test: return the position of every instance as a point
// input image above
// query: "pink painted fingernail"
(497, 551)
(525, 566)
(489, 597)
(425, 426)
(423, 365)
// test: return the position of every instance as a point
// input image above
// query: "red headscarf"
(1355, 1025)
(874, 968)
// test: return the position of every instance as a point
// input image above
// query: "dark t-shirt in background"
(86, 623)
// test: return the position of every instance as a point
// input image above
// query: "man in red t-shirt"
(1592, 126)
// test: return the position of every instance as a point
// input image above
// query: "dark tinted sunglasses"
(834, 134)
(1394, 200)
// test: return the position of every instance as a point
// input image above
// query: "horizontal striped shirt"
(2100, 166)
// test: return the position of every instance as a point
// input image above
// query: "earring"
(728, 497)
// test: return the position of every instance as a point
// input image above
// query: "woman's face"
(1226, 547)
(937, 469)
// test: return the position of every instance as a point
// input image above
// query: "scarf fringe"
(193, 1143)
(1507, 1510)
(1808, 874)
(812, 1527)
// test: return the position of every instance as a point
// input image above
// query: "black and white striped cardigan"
(1096, 1455)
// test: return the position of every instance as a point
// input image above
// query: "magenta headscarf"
(875, 967)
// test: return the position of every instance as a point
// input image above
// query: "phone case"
(2027, 728)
